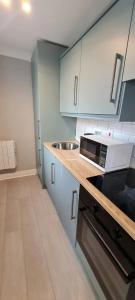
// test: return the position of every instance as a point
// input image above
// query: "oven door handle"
(114, 252)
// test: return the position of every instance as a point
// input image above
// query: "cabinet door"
(49, 169)
(69, 80)
(129, 72)
(69, 204)
(102, 61)
(37, 125)
(53, 174)
(58, 182)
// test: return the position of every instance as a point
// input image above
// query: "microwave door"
(90, 149)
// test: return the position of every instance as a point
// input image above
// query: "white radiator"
(7, 155)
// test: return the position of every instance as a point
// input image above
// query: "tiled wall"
(124, 131)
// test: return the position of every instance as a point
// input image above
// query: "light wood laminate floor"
(37, 261)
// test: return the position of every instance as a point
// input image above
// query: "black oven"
(109, 250)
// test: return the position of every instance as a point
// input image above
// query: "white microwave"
(106, 153)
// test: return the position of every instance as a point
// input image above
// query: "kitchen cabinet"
(64, 191)
(129, 72)
(69, 199)
(37, 117)
(95, 66)
(69, 80)
(53, 176)
(49, 165)
(46, 96)
(102, 61)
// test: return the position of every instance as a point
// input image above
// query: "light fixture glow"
(6, 3)
(26, 7)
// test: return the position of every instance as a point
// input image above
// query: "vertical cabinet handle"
(39, 157)
(52, 173)
(38, 129)
(116, 78)
(73, 208)
(75, 90)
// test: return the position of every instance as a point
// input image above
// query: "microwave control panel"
(102, 156)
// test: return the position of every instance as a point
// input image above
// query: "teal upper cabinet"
(69, 80)
(102, 61)
(129, 72)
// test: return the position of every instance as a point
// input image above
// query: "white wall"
(16, 109)
(124, 131)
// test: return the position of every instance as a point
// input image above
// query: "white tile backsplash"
(124, 131)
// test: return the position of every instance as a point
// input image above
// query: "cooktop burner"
(119, 187)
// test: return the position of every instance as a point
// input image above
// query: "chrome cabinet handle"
(38, 129)
(75, 90)
(39, 157)
(52, 173)
(73, 214)
(116, 77)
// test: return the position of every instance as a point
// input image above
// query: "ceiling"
(59, 21)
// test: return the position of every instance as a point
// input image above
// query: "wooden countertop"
(81, 169)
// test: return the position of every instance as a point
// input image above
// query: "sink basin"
(65, 146)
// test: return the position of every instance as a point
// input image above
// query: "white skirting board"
(18, 174)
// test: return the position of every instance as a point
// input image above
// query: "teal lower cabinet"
(64, 191)
(53, 174)
(69, 199)
(49, 168)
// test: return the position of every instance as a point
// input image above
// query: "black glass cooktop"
(119, 187)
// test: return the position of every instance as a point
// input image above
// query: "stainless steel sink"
(65, 146)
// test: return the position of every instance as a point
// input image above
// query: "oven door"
(93, 242)
(90, 149)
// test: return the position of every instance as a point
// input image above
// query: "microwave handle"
(124, 265)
